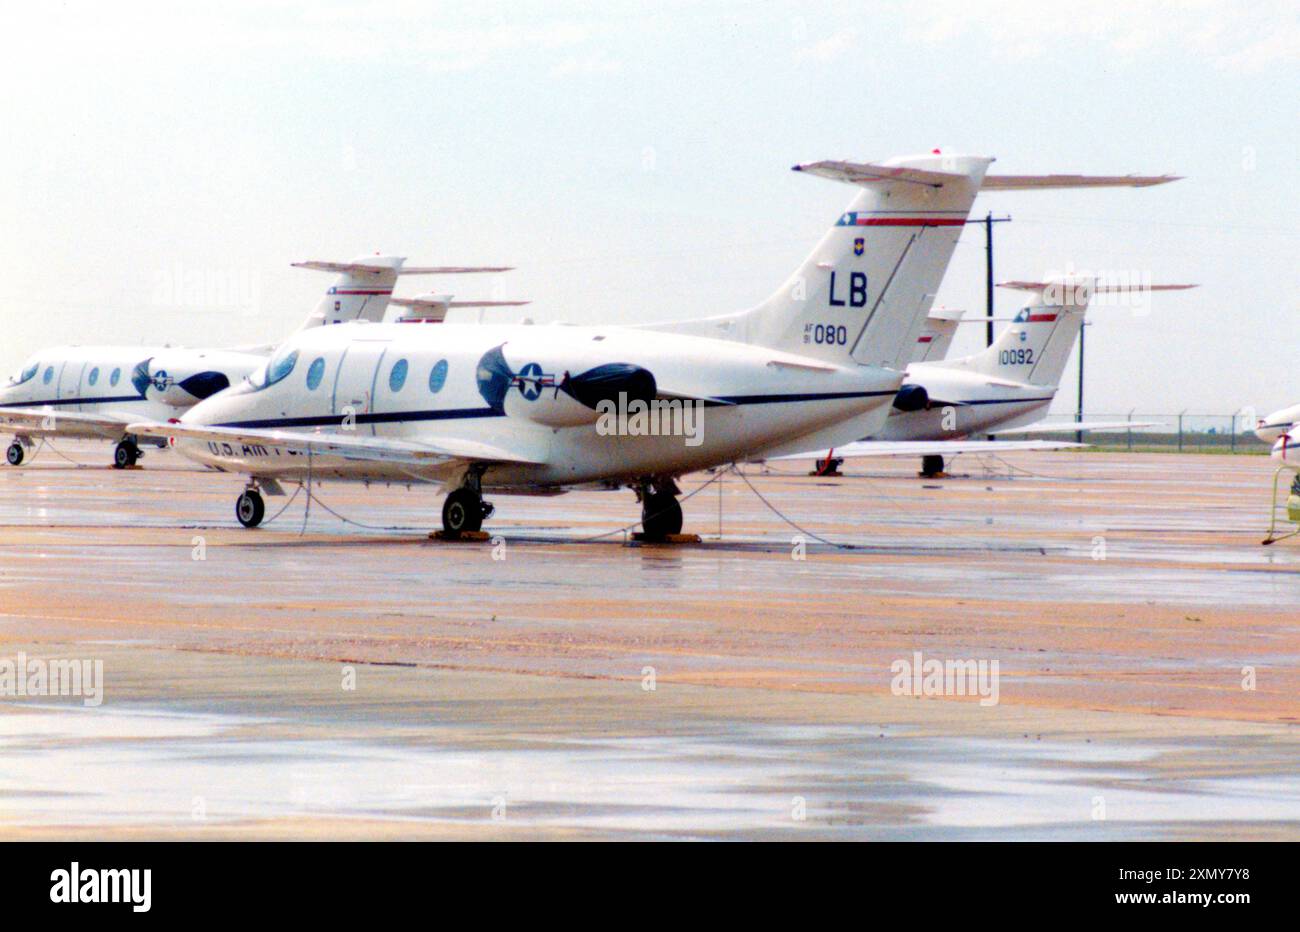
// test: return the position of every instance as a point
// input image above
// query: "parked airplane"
(1271, 427)
(537, 410)
(96, 391)
(1005, 389)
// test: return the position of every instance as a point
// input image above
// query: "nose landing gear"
(14, 455)
(250, 509)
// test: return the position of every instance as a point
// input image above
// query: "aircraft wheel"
(931, 466)
(249, 508)
(125, 454)
(462, 511)
(661, 515)
(15, 454)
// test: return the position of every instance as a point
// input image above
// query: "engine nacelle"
(560, 399)
(182, 378)
(912, 398)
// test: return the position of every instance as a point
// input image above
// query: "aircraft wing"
(337, 443)
(865, 448)
(48, 419)
(1067, 427)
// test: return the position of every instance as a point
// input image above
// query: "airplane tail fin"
(863, 293)
(1034, 349)
(861, 297)
(936, 336)
(364, 287)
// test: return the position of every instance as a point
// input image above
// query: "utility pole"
(988, 274)
(1078, 410)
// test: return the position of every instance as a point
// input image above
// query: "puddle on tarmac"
(73, 766)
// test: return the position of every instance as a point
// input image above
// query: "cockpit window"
(49, 375)
(277, 370)
(26, 375)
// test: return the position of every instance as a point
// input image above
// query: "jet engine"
(560, 399)
(912, 398)
(182, 378)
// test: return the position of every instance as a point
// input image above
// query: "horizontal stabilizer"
(875, 173)
(1094, 289)
(1044, 182)
(436, 301)
(356, 267)
(868, 173)
(432, 308)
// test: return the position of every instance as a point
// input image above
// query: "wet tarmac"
(561, 680)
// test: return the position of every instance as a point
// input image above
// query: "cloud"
(1229, 34)
(599, 63)
(828, 49)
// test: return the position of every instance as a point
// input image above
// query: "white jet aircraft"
(1283, 421)
(96, 391)
(538, 410)
(1004, 389)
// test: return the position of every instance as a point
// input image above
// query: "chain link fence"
(1185, 432)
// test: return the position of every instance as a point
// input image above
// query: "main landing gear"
(464, 511)
(661, 513)
(14, 455)
(250, 509)
(932, 467)
(126, 454)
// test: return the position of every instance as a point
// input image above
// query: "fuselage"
(1273, 426)
(131, 382)
(503, 386)
(964, 404)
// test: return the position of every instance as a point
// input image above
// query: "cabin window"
(438, 376)
(397, 378)
(315, 372)
(94, 377)
(49, 375)
(113, 379)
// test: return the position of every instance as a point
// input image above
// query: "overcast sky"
(164, 163)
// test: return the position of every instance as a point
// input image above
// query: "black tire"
(661, 515)
(15, 454)
(462, 512)
(125, 454)
(249, 508)
(931, 465)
